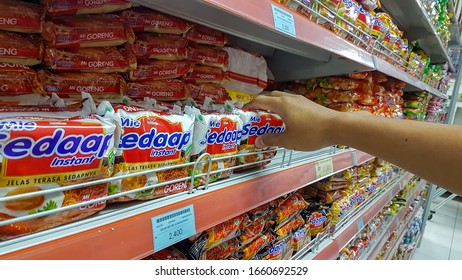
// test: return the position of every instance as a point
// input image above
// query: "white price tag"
(324, 167)
(283, 21)
(172, 227)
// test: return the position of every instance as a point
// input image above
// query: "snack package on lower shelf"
(151, 139)
(218, 241)
(56, 151)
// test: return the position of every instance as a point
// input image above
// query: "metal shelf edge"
(331, 251)
(394, 224)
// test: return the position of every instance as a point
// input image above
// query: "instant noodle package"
(256, 123)
(48, 148)
(75, 7)
(101, 30)
(151, 139)
(219, 135)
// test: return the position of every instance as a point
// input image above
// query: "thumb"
(269, 140)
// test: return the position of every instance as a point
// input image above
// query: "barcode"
(173, 215)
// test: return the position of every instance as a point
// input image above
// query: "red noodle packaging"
(176, 59)
(151, 139)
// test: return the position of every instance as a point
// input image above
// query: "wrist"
(340, 125)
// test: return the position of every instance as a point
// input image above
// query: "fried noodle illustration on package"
(40, 152)
(151, 139)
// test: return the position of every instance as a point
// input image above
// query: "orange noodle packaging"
(251, 250)
(40, 152)
(151, 139)
(77, 7)
(19, 16)
(213, 237)
(106, 30)
(222, 251)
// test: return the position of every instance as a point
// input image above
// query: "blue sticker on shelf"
(283, 21)
(360, 224)
(390, 196)
(172, 227)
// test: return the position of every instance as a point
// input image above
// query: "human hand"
(307, 123)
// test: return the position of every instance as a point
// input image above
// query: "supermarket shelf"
(396, 221)
(252, 27)
(395, 246)
(314, 52)
(331, 248)
(454, 28)
(418, 27)
(411, 255)
(126, 232)
(413, 84)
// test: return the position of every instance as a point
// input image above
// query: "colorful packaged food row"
(70, 151)
(367, 91)
(102, 43)
(20, 80)
(266, 232)
(415, 105)
(357, 21)
(273, 231)
(346, 190)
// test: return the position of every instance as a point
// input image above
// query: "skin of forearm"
(414, 146)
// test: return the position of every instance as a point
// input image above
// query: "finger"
(270, 140)
(277, 93)
(263, 102)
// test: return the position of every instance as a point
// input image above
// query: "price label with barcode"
(283, 21)
(324, 167)
(172, 227)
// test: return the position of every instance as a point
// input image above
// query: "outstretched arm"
(430, 151)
